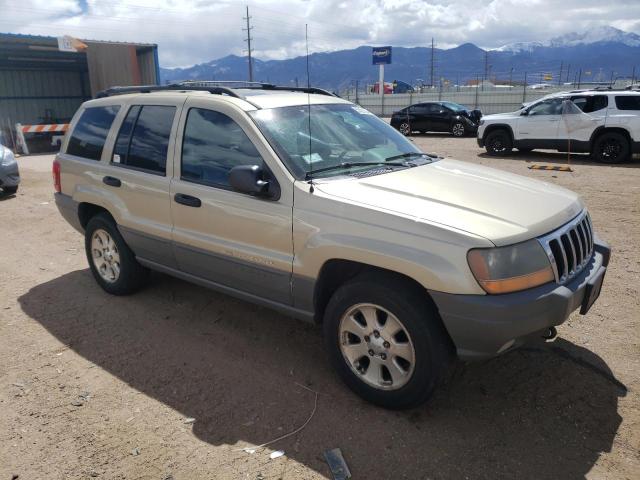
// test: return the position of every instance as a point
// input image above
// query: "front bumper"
(9, 175)
(483, 326)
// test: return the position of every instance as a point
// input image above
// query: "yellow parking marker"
(565, 168)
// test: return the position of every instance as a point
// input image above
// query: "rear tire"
(393, 370)
(498, 142)
(112, 263)
(611, 148)
(10, 190)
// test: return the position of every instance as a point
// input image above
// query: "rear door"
(230, 238)
(419, 119)
(580, 127)
(139, 177)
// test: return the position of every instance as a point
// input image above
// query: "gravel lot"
(99, 386)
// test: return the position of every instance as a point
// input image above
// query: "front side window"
(143, 140)
(90, 133)
(552, 106)
(213, 144)
(308, 138)
(628, 102)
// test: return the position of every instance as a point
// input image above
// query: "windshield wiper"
(409, 155)
(347, 165)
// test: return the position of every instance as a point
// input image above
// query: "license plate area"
(592, 291)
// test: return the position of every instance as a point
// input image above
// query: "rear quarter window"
(628, 102)
(91, 130)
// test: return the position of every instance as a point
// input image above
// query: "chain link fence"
(497, 100)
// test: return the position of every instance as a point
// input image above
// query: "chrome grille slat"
(570, 247)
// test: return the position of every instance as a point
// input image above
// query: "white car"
(606, 124)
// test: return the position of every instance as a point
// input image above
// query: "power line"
(248, 40)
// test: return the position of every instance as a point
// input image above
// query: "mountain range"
(596, 56)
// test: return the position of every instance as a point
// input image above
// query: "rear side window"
(143, 140)
(213, 144)
(90, 133)
(628, 102)
(591, 103)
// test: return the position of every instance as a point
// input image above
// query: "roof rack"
(254, 86)
(222, 87)
(109, 92)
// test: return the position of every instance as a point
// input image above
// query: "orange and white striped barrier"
(60, 128)
(55, 127)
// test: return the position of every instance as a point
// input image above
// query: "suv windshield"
(332, 135)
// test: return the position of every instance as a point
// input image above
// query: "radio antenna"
(306, 39)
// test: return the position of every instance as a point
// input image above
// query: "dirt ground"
(95, 386)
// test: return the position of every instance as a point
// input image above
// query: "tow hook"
(550, 333)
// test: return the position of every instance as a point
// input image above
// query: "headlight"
(510, 269)
(6, 156)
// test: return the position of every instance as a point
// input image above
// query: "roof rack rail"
(211, 86)
(255, 86)
(109, 92)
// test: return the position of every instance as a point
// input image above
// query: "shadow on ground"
(542, 412)
(559, 158)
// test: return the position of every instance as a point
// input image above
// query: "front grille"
(570, 247)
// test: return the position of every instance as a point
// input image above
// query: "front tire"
(405, 129)
(111, 261)
(498, 142)
(386, 341)
(458, 130)
(10, 190)
(611, 148)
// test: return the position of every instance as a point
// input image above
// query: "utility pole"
(486, 65)
(568, 71)
(511, 77)
(579, 78)
(432, 62)
(633, 75)
(248, 40)
(560, 76)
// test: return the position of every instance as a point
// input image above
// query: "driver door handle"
(187, 200)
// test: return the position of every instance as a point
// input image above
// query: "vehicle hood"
(502, 207)
(501, 116)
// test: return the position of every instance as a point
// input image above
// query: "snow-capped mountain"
(597, 55)
(601, 34)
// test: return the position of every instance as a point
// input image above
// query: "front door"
(541, 123)
(221, 235)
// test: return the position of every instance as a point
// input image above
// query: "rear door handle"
(187, 200)
(112, 181)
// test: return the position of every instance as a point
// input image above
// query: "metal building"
(42, 84)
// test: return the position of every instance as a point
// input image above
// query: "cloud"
(195, 31)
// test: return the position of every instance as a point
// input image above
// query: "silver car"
(9, 174)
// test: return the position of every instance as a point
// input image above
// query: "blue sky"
(195, 31)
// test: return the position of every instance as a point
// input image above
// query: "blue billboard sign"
(381, 55)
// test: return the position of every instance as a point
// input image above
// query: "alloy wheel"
(458, 130)
(105, 255)
(376, 346)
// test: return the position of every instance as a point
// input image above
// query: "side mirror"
(250, 179)
(524, 113)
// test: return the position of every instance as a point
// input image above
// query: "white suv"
(610, 130)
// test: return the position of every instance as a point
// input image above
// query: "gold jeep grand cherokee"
(303, 202)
